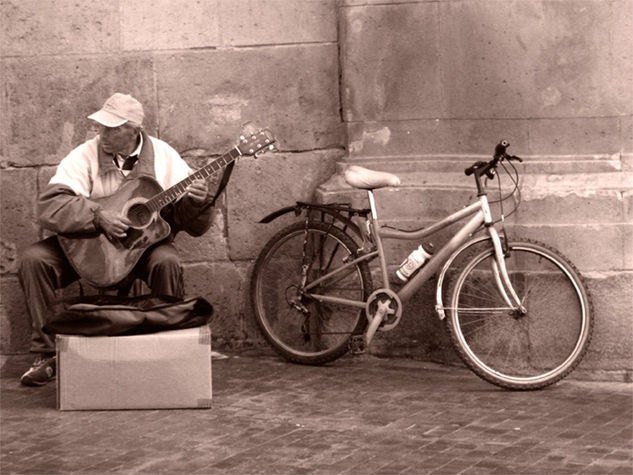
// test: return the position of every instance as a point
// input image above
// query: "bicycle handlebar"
(488, 168)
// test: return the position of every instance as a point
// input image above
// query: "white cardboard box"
(170, 369)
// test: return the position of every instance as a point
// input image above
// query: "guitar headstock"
(253, 141)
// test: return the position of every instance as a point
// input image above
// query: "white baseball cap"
(118, 110)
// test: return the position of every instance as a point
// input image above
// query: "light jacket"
(67, 204)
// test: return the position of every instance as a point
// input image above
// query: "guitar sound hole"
(140, 215)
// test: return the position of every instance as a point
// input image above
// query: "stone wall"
(450, 77)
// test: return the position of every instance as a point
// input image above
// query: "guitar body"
(106, 262)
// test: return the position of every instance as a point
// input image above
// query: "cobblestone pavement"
(359, 415)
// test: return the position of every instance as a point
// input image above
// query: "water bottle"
(415, 260)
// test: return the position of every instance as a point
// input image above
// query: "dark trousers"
(43, 269)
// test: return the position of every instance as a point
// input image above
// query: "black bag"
(109, 315)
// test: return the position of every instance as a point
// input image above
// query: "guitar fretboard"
(165, 197)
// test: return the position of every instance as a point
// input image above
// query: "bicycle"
(518, 313)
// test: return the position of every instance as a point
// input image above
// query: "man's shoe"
(41, 371)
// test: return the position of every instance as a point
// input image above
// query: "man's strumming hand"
(111, 223)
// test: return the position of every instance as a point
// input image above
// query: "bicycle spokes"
(528, 347)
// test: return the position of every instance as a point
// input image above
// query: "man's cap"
(118, 110)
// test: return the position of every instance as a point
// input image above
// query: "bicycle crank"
(386, 305)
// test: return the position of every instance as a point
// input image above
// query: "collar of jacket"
(144, 166)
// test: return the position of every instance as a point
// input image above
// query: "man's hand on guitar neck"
(198, 191)
(112, 224)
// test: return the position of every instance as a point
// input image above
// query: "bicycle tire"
(321, 334)
(511, 350)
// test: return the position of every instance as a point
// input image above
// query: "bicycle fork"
(500, 273)
(499, 269)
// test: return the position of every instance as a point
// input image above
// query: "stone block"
(211, 246)
(591, 247)
(15, 327)
(19, 228)
(627, 198)
(391, 62)
(421, 203)
(627, 162)
(4, 116)
(435, 137)
(58, 27)
(225, 286)
(169, 24)
(39, 100)
(581, 207)
(572, 164)
(364, 3)
(205, 96)
(534, 59)
(274, 22)
(626, 135)
(592, 135)
(621, 43)
(612, 343)
(260, 187)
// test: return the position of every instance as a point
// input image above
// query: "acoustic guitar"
(106, 261)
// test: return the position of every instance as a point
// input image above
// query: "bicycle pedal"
(357, 344)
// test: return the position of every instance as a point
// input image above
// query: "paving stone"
(357, 415)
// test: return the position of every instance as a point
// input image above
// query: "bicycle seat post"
(376, 236)
(372, 204)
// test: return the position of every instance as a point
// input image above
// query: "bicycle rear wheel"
(511, 349)
(299, 328)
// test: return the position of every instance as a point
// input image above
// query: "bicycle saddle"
(360, 177)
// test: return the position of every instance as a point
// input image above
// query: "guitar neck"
(171, 194)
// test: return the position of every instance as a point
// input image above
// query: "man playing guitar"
(121, 152)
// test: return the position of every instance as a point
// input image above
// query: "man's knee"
(165, 273)
(45, 259)
(165, 260)
(33, 257)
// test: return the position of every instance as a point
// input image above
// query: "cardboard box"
(163, 370)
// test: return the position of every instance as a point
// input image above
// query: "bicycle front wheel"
(518, 350)
(302, 329)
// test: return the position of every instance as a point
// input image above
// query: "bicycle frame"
(481, 215)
